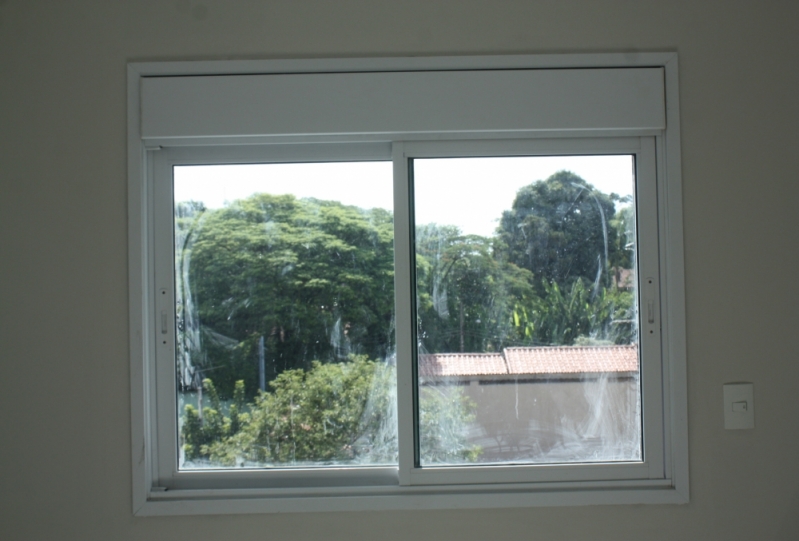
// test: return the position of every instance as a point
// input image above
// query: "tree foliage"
(465, 291)
(562, 316)
(200, 433)
(313, 281)
(292, 271)
(337, 413)
(560, 230)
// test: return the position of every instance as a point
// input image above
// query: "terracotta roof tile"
(461, 364)
(572, 359)
(532, 361)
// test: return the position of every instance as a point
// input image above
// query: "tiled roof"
(572, 359)
(532, 361)
(461, 364)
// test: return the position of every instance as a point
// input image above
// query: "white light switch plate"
(739, 406)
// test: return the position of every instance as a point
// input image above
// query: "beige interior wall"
(64, 383)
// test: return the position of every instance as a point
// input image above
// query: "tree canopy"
(308, 285)
(560, 229)
(313, 280)
(465, 291)
(336, 413)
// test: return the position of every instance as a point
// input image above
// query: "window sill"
(247, 501)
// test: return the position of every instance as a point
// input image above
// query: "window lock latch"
(650, 300)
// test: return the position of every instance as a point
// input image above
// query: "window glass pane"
(526, 310)
(285, 315)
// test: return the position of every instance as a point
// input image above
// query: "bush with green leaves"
(562, 315)
(200, 432)
(444, 415)
(329, 414)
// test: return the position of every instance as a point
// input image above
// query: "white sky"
(468, 192)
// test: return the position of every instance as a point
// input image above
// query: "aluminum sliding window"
(362, 285)
(275, 272)
(529, 345)
(277, 312)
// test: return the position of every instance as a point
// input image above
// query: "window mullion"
(403, 295)
(650, 323)
(163, 327)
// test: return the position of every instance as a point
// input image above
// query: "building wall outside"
(590, 420)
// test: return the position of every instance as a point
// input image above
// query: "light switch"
(739, 406)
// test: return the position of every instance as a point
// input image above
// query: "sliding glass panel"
(526, 310)
(284, 278)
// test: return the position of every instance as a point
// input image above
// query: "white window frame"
(178, 114)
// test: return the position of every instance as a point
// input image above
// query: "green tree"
(569, 235)
(315, 278)
(331, 413)
(624, 225)
(445, 413)
(559, 230)
(564, 316)
(315, 416)
(199, 433)
(464, 292)
(189, 216)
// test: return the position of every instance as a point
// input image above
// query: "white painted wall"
(64, 389)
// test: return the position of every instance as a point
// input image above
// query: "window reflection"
(285, 313)
(526, 310)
